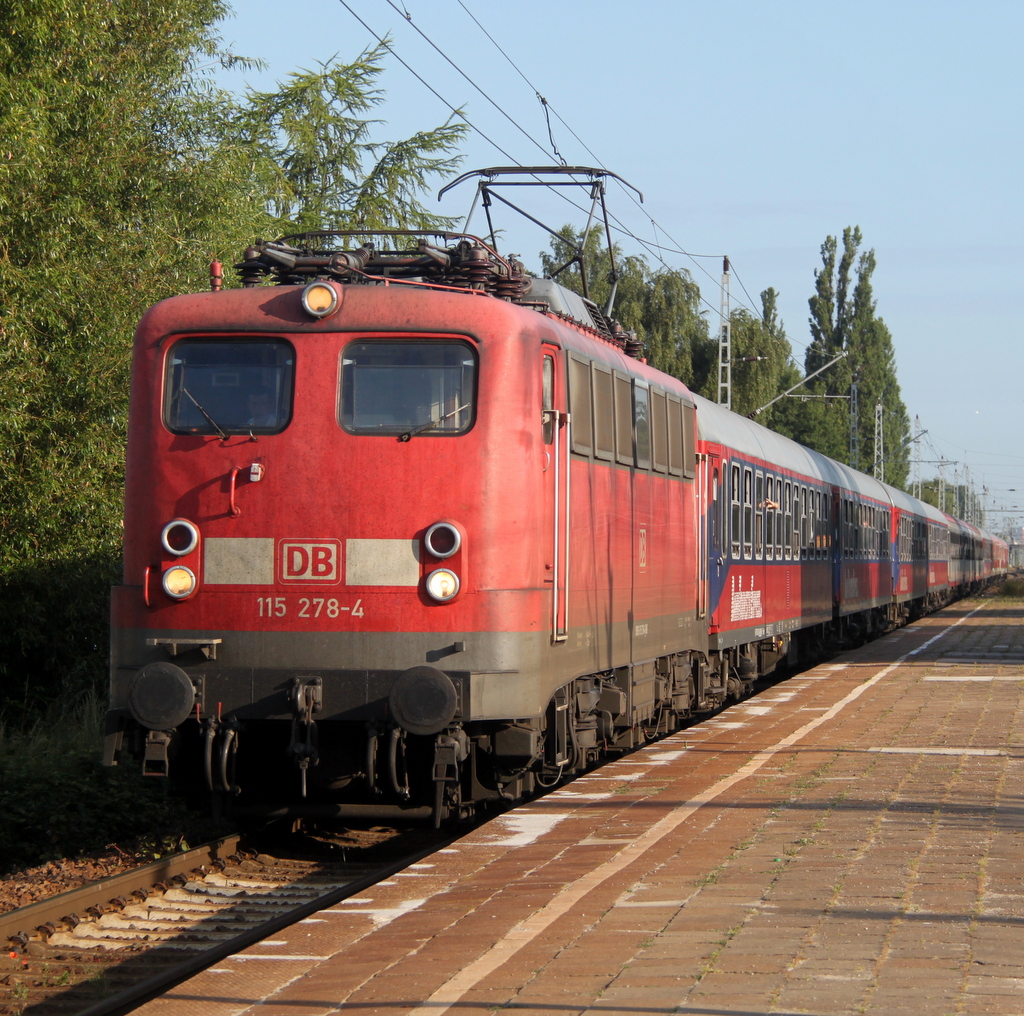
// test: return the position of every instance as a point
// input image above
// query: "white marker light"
(442, 584)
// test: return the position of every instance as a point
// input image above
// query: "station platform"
(849, 841)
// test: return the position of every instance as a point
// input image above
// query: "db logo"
(309, 561)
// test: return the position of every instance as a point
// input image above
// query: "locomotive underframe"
(361, 762)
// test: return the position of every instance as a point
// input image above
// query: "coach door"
(713, 561)
(556, 436)
(704, 472)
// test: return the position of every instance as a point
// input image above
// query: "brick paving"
(849, 842)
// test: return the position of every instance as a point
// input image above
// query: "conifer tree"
(846, 321)
(329, 169)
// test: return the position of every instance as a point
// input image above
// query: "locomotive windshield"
(215, 387)
(407, 388)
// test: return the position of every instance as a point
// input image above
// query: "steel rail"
(130, 998)
(17, 925)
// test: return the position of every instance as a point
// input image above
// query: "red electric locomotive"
(410, 530)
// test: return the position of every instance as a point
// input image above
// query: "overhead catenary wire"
(652, 248)
(619, 226)
(433, 91)
(437, 49)
(383, 41)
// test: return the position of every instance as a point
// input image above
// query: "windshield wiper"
(430, 423)
(213, 423)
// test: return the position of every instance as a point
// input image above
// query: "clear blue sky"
(755, 129)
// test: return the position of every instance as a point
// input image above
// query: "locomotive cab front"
(321, 596)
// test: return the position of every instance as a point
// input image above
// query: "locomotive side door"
(556, 435)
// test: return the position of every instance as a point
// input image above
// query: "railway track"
(106, 947)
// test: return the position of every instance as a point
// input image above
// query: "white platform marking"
(382, 915)
(953, 678)
(937, 751)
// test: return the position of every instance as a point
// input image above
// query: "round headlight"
(179, 582)
(442, 584)
(319, 299)
(442, 540)
(179, 537)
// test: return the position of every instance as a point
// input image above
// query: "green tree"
(112, 196)
(846, 321)
(661, 305)
(762, 364)
(874, 359)
(123, 172)
(329, 171)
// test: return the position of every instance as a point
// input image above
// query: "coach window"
(818, 526)
(735, 512)
(580, 405)
(659, 431)
(826, 523)
(803, 541)
(623, 419)
(780, 518)
(642, 423)
(787, 530)
(813, 523)
(748, 513)
(689, 441)
(214, 387)
(404, 387)
(675, 436)
(759, 516)
(604, 415)
(794, 532)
